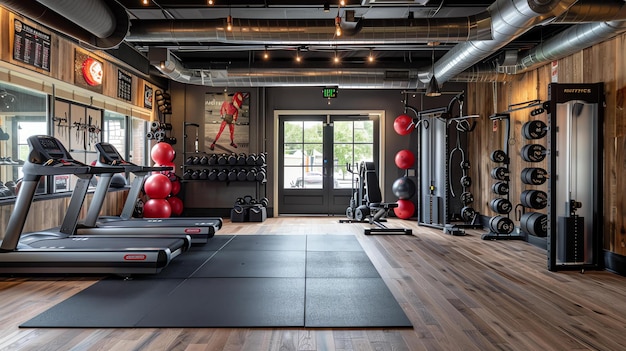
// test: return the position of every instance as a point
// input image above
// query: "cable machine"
(575, 208)
(443, 169)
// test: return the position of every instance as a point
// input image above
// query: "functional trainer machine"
(200, 229)
(59, 251)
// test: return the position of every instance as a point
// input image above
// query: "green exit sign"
(329, 92)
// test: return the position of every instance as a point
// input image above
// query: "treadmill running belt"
(324, 281)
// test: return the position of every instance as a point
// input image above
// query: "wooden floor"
(461, 293)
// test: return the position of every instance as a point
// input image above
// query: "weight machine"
(366, 202)
(442, 158)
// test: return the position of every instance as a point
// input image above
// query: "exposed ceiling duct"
(95, 23)
(566, 43)
(343, 78)
(510, 19)
(312, 32)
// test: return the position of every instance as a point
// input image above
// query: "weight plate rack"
(534, 223)
(500, 225)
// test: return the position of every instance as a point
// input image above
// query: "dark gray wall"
(188, 106)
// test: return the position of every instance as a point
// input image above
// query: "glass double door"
(318, 154)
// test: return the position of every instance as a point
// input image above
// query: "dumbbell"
(500, 173)
(500, 188)
(534, 223)
(242, 175)
(241, 159)
(212, 160)
(187, 174)
(251, 175)
(212, 174)
(222, 175)
(232, 159)
(195, 160)
(204, 174)
(501, 225)
(189, 160)
(232, 175)
(222, 160)
(204, 160)
(534, 129)
(498, 156)
(260, 175)
(251, 159)
(260, 159)
(533, 152)
(195, 174)
(501, 205)
(536, 199)
(534, 176)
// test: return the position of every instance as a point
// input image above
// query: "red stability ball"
(405, 209)
(157, 208)
(402, 124)
(175, 187)
(158, 186)
(162, 153)
(176, 204)
(405, 159)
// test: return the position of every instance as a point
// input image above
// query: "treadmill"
(200, 229)
(55, 252)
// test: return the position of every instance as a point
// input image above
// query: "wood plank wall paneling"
(49, 213)
(600, 63)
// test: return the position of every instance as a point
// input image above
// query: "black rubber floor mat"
(262, 281)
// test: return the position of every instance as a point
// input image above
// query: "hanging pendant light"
(433, 86)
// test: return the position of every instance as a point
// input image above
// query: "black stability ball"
(403, 188)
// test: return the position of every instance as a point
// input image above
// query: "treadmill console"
(108, 155)
(48, 151)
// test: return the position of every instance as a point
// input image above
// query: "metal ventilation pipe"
(96, 23)
(510, 19)
(344, 78)
(313, 32)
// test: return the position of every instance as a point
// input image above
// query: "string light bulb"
(210, 2)
(229, 23)
(336, 59)
(338, 26)
(342, 2)
(145, 2)
(370, 58)
(266, 55)
(298, 59)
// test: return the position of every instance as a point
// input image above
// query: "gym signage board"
(31, 46)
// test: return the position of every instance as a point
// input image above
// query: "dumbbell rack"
(501, 227)
(160, 130)
(201, 166)
(534, 224)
